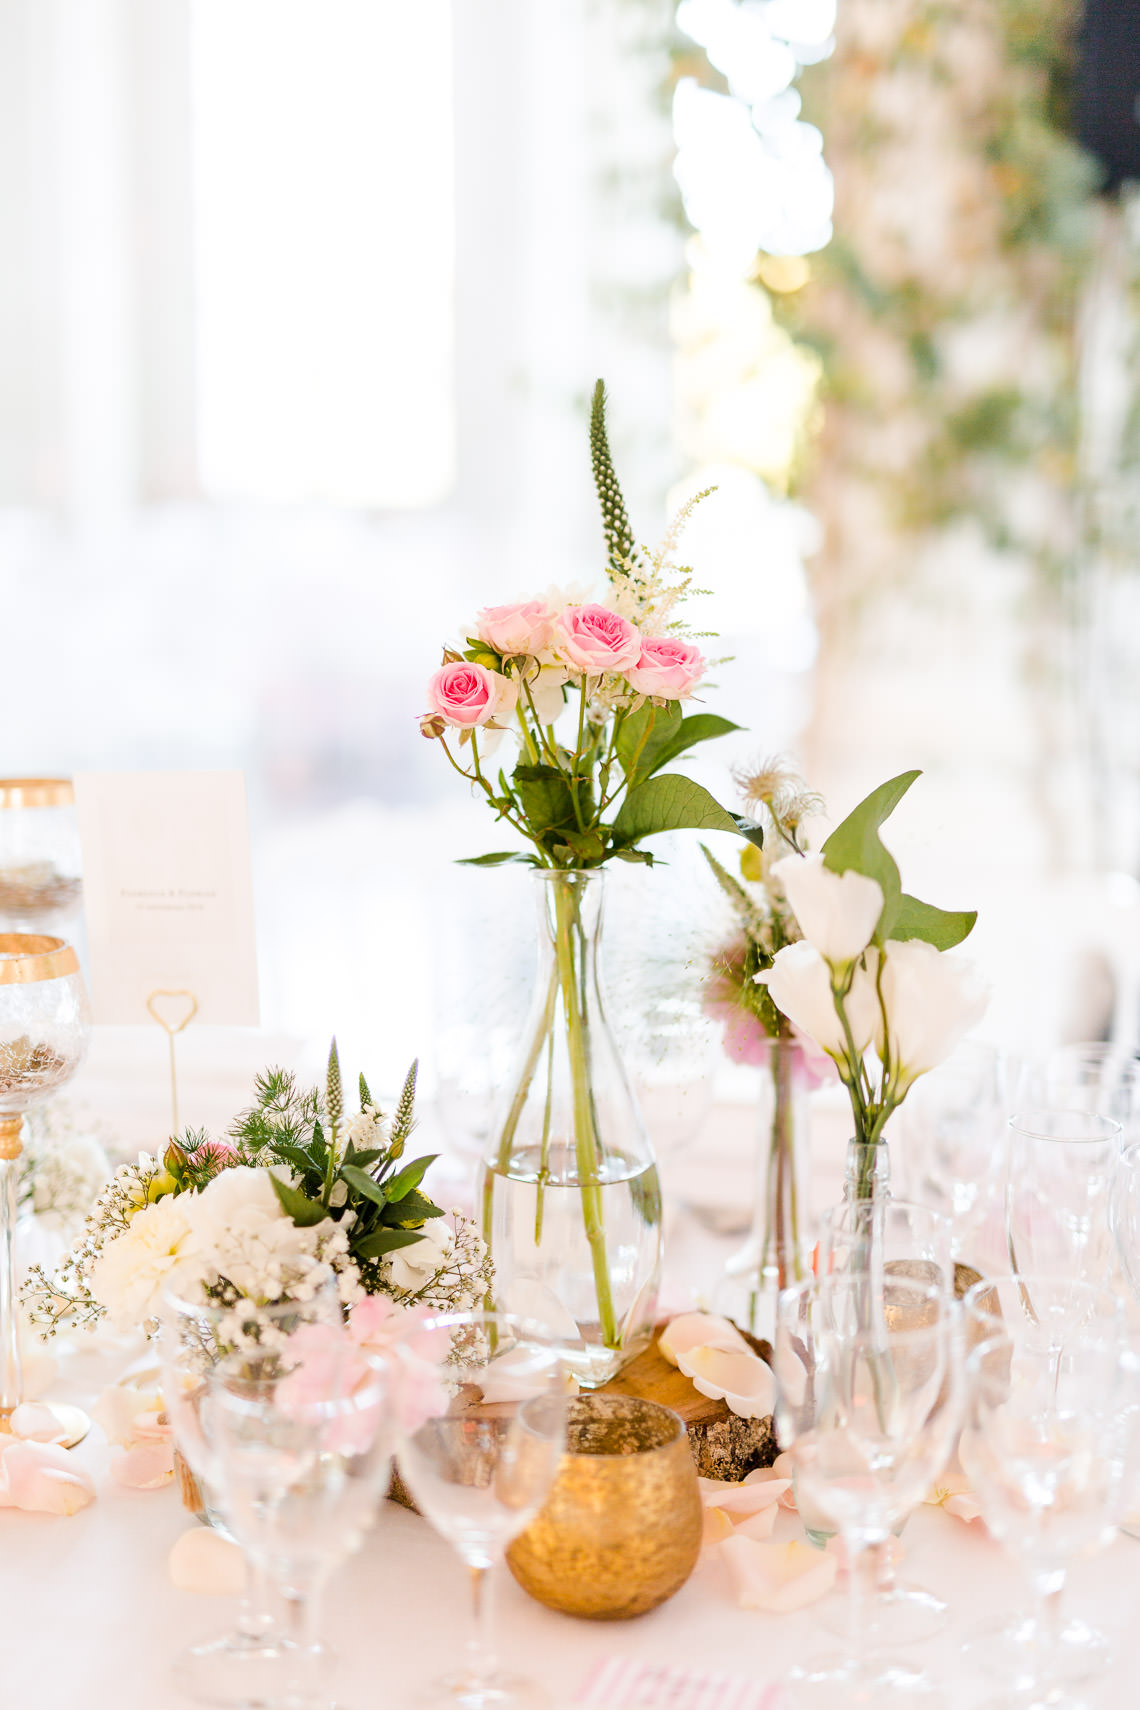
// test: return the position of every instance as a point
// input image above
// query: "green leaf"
(496, 860)
(702, 727)
(855, 846)
(385, 1241)
(364, 1155)
(409, 1177)
(304, 1211)
(299, 1158)
(363, 1184)
(413, 1209)
(642, 736)
(938, 926)
(641, 855)
(545, 797)
(669, 803)
(749, 829)
(584, 847)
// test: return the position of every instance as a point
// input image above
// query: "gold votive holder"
(621, 1529)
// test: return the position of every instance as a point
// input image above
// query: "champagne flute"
(481, 1424)
(1061, 1169)
(869, 1412)
(195, 1334)
(1052, 1391)
(889, 1239)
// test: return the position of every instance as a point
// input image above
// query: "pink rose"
(594, 639)
(467, 694)
(527, 627)
(667, 667)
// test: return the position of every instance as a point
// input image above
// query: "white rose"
(799, 984)
(837, 912)
(932, 999)
(156, 1248)
(410, 1269)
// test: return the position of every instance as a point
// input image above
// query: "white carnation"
(241, 1233)
(367, 1130)
(131, 1272)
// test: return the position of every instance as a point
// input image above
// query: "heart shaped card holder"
(182, 1003)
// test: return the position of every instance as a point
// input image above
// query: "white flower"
(129, 1275)
(366, 1130)
(410, 1269)
(932, 999)
(799, 984)
(837, 912)
(241, 1232)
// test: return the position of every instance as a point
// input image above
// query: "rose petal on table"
(694, 1330)
(837, 1546)
(737, 1377)
(759, 1525)
(781, 1469)
(716, 1527)
(35, 1423)
(746, 1499)
(126, 1411)
(204, 1562)
(42, 1477)
(953, 1493)
(143, 1465)
(777, 1577)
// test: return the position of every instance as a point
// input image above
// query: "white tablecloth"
(90, 1621)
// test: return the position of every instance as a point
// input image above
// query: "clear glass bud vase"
(775, 1254)
(570, 1200)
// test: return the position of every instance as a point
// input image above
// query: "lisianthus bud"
(799, 984)
(837, 912)
(932, 999)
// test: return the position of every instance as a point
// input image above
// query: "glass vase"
(570, 1199)
(775, 1255)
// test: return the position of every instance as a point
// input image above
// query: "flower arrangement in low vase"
(593, 693)
(873, 979)
(297, 1194)
(759, 1034)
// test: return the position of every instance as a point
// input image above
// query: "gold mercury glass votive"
(621, 1529)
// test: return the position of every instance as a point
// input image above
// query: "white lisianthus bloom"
(131, 1272)
(837, 912)
(799, 984)
(932, 999)
(410, 1269)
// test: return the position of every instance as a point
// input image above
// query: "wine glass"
(955, 1118)
(481, 1423)
(869, 1411)
(1097, 1077)
(301, 1457)
(195, 1334)
(889, 1238)
(1045, 1447)
(45, 1023)
(1061, 1169)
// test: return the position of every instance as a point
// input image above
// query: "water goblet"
(887, 1239)
(301, 1457)
(869, 1411)
(1096, 1077)
(196, 1333)
(45, 1023)
(1052, 1390)
(481, 1423)
(955, 1118)
(1061, 1169)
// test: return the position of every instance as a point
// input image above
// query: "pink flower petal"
(747, 1499)
(759, 1525)
(144, 1466)
(35, 1423)
(777, 1577)
(205, 1562)
(43, 1477)
(716, 1528)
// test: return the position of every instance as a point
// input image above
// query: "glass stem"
(255, 1617)
(862, 1565)
(480, 1647)
(308, 1663)
(11, 1383)
(1048, 1591)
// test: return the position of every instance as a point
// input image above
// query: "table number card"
(622, 1683)
(168, 893)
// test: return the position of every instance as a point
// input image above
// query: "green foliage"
(938, 926)
(669, 803)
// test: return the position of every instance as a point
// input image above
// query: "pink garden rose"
(526, 627)
(467, 695)
(594, 639)
(667, 667)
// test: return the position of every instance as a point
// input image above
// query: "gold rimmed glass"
(45, 1023)
(40, 883)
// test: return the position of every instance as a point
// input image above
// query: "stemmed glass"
(1096, 1077)
(869, 1409)
(889, 1238)
(195, 1335)
(481, 1427)
(1061, 1169)
(301, 1457)
(1045, 1447)
(956, 1114)
(45, 1023)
